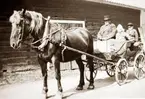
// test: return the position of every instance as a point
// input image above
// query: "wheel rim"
(139, 69)
(87, 73)
(121, 71)
(110, 70)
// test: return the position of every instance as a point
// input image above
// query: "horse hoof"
(90, 87)
(79, 88)
(45, 90)
(60, 89)
(59, 95)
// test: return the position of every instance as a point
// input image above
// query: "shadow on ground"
(99, 83)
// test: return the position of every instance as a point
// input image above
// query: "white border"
(68, 21)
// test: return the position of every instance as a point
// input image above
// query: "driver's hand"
(40, 48)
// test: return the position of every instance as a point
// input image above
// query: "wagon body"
(117, 63)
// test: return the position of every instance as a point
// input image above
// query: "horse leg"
(90, 63)
(91, 68)
(81, 69)
(56, 64)
(43, 65)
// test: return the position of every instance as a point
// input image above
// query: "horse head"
(24, 23)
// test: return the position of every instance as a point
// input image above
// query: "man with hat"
(133, 35)
(104, 36)
(107, 31)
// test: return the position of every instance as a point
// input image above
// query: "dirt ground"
(28, 85)
(29, 75)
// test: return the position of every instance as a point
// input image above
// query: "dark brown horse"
(25, 23)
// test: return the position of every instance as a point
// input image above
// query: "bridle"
(22, 30)
(21, 40)
(49, 37)
(23, 25)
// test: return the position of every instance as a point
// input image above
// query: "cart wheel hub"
(140, 66)
(123, 71)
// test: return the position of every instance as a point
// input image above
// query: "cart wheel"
(121, 71)
(87, 73)
(139, 69)
(110, 70)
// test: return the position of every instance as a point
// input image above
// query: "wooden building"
(88, 10)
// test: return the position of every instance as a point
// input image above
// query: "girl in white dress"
(121, 38)
(121, 35)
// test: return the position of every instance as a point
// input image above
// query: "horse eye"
(20, 37)
(17, 24)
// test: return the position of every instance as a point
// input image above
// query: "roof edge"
(116, 4)
(122, 5)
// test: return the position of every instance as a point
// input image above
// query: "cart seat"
(109, 46)
(115, 47)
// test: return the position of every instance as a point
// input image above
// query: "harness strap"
(63, 41)
(63, 36)
(62, 53)
(22, 33)
(46, 37)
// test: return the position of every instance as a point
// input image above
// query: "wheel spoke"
(142, 63)
(139, 73)
(120, 68)
(121, 77)
(121, 73)
(139, 66)
(87, 73)
(124, 76)
(136, 66)
(112, 73)
(143, 70)
(110, 70)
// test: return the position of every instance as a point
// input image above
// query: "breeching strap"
(81, 52)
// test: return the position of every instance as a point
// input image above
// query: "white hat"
(120, 28)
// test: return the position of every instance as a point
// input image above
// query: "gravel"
(29, 75)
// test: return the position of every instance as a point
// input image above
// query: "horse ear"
(15, 11)
(48, 17)
(23, 12)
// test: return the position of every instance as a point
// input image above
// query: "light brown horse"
(26, 23)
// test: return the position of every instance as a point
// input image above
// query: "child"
(121, 35)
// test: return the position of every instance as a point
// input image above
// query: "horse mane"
(54, 27)
(36, 23)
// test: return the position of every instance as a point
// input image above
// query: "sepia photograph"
(72, 49)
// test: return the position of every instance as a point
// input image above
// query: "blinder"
(23, 25)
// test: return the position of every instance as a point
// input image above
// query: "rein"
(32, 44)
(22, 33)
(47, 37)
